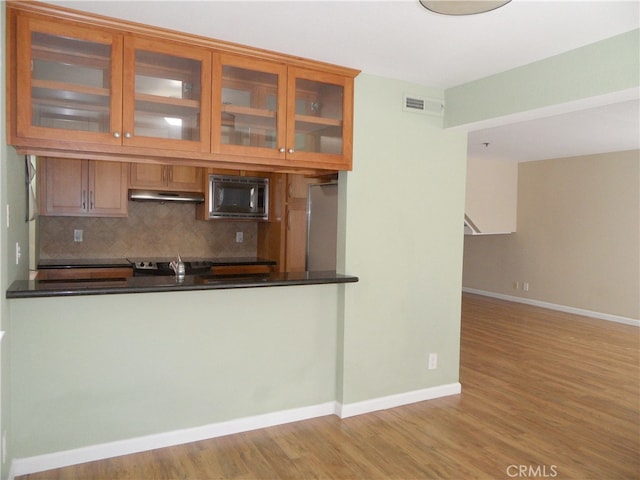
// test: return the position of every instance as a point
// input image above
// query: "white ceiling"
(400, 39)
(607, 128)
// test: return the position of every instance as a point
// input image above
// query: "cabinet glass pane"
(70, 86)
(249, 107)
(167, 96)
(318, 123)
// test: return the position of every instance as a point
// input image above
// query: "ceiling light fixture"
(462, 7)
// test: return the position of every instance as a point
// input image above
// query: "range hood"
(162, 196)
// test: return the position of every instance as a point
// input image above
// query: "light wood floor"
(544, 394)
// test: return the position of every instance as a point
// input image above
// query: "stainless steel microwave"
(238, 197)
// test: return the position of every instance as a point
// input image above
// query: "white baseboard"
(391, 401)
(24, 466)
(39, 463)
(553, 306)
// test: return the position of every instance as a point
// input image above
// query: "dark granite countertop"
(146, 284)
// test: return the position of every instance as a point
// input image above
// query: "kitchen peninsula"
(109, 109)
(106, 286)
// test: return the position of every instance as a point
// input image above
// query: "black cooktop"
(161, 266)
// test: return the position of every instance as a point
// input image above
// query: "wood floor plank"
(551, 392)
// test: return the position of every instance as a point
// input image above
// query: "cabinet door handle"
(289, 220)
(84, 199)
(164, 174)
(128, 135)
(282, 149)
(91, 203)
(291, 150)
(170, 174)
(116, 134)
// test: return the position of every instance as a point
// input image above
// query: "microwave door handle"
(252, 201)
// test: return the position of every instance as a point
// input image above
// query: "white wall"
(491, 200)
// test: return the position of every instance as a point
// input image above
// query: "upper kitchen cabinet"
(87, 188)
(91, 87)
(319, 119)
(250, 102)
(81, 85)
(68, 82)
(285, 115)
(166, 177)
(166, 95)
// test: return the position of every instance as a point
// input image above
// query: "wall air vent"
(414, 103)
(424, 105)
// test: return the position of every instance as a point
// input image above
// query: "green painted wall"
(88, 370)
(12, 194)
(403, 222)
(602, 68)
(95, 369)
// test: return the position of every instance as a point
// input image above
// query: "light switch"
(77, 235)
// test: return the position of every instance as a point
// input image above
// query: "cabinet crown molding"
(126, 26)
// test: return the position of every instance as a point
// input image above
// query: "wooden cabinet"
(272, 234)
(166, 177)
(297, 116)
(297, 220)
(284, 237)
(319, 119)
(107, 89)
(241, 269)
(250, 106)
(69, 82)
(83, 188)
(84, 273)
(167, 95)
(89, 85)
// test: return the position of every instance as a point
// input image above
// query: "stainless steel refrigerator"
(322, 227)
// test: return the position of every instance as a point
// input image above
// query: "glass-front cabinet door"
(249, 107)
(319, 117)
(167, 95)
(68, 82)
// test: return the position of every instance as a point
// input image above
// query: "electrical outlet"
(18, 253)
(239, 237)
(516, 285)
(525, 286)
(433, 361)
(77, 235)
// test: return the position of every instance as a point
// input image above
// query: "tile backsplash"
(151, 230)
